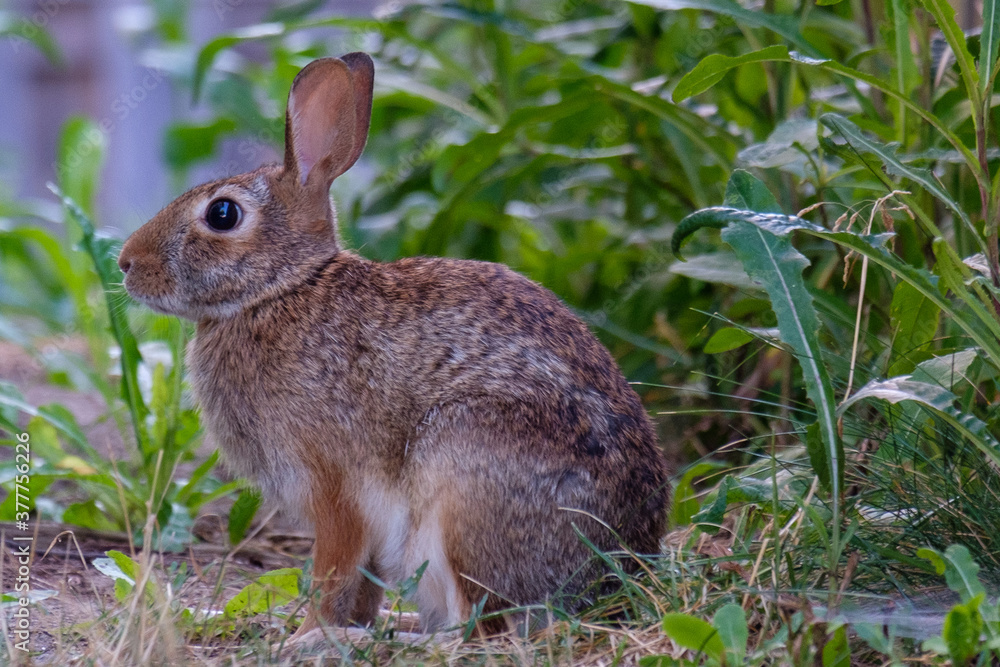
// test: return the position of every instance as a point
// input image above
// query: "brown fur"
(427, 410)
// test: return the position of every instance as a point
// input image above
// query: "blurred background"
(114, 69)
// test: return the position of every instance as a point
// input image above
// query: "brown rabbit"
(429, 410)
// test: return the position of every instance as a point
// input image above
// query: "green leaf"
(211, 50)
(715, 267)
(879, 84)
(685, 503)
(787, 148)
(915, 321)
(836, 651)
(18, 28)
(907, 75)
(103, 252)
(81, 155)
(938, 399)
(694, 634)
(902, 99)
(123, 589)
(962, 573)
(128, 566)
(935, 558)
(88, 515)
(745, 191)
(989, 45)
(956, 275)
(947, 370)
(175, 533)
(979, 327)
(731, 622)
(773, 262)
(125, 572)
(242, 513)
(784, 25)
(963, 627)
(944, 15)
(185, 493)
(726, 339)
(893, 165)
(56, 415)
(818, 457)
(730, 490)
(935, 645)
(122, 569)
(270, 590)
(713, 68)
(874, 635)
(37, 485)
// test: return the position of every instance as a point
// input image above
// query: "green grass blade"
(907, 74)
(14, 27)
(242, 513)
(82, 148)
(989, 45)
(9, 398)
(944, 14)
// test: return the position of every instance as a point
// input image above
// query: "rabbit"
(431, 414)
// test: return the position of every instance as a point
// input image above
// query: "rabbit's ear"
(329, 110)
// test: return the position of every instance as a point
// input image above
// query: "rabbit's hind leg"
(496, 521)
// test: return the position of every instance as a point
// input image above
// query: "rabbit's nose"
(124, 263)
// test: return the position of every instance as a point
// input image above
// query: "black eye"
(223, 214)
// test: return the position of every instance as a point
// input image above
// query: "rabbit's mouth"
(168, 305)
(171, 304)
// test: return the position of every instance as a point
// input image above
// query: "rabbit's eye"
(223, 214)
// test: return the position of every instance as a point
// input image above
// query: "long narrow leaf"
(103, 254)
(783, 25)
(989, 45)
(944, 14)
(939, 400)
(780, 54)
(711, 69)
(985, 332)
(772, 261)
(896, 167)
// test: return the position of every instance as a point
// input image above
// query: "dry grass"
(178, 620)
